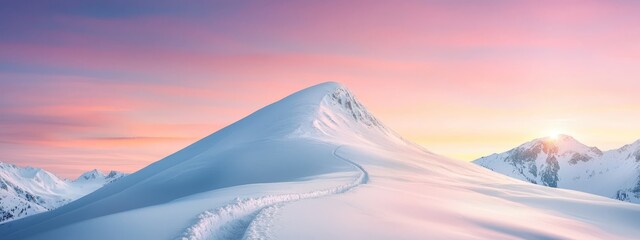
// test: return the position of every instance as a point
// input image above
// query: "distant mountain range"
(26, 190)
(563, 162)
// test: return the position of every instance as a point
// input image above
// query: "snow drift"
(317, 164)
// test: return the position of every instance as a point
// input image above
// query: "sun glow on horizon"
(554, 134)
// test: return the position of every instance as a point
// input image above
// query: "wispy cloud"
(80, 81)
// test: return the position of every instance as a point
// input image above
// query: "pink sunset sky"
(121, 84)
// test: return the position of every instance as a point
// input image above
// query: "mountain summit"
(90, 175)
(96, 175)
(317, 164)
(564, 162)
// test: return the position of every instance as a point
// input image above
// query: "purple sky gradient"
(120, 84)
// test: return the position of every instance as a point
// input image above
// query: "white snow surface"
(26, 191)
(318, 165)
(563, 162)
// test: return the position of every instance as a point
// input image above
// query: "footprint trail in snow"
(250, 218)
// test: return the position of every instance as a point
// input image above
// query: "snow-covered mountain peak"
(40, 178)
(541, 160)
(25, 172)
(325, 112)
(630, 147)
(341, 117)
(96, 175)
(565, 162)
(635, 148)
(561, 145)
(27, 190)
(347, 101)
(91, 175)
(114, 174)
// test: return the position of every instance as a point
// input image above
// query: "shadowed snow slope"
(318, 165)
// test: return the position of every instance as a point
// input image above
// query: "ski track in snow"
(251, 218)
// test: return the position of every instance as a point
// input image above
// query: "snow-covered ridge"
(90, 175)
(273, 174)
(26, 190)
(564, 162)
(345, 99)
(339, 117)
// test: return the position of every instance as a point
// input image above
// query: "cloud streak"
(80, 82)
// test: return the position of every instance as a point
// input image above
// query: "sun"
(554, 134)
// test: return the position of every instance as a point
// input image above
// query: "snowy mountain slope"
(318, 165)
(26, 191)
(566, 163)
